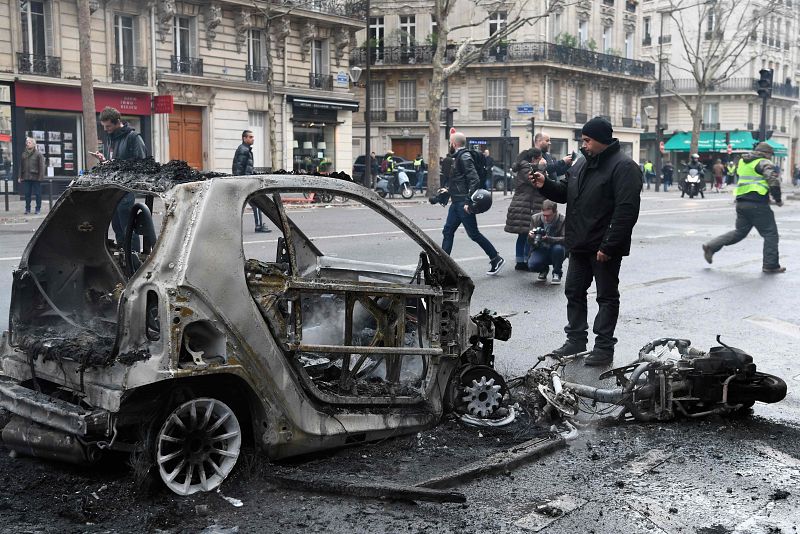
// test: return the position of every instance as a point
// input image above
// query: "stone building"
(732, 108)
(209, 56)
(575, 64)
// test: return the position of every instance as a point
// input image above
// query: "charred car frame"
(199, 350)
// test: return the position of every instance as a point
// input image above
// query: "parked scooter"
(694, 184)
(392, 184)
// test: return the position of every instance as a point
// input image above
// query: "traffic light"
(448, 121)
(764, 83)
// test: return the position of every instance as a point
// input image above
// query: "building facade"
(732, 108)
(209, 56)
(555, 74)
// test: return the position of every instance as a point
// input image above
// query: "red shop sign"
(163, 104)
(60, 98)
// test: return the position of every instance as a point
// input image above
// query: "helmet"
(695, 156)
(480, 201)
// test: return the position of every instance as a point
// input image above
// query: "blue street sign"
(525, 108)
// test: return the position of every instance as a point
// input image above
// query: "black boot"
(599, 357)
(569, 348)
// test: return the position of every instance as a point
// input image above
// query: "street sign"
(730, 149)
(525, 108)
(541, 109)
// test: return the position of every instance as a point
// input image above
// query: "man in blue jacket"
(602, 192)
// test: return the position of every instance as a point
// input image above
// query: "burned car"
(197, 346)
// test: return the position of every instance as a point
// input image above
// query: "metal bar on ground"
(383, 490)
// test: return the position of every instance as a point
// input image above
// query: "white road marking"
(776, 325)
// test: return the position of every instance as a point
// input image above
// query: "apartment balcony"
(522, 52)
(377, 115)
(734, 85)
(41, 65)
(128, 74)
(406, 115)
(581, 117)
(495, 114)
(323, 82)
(554, 115)
(750, 126)
(627, 122)
(192, 66)
(665, 39)
(256, 74)
(647, 40)
(710, 126)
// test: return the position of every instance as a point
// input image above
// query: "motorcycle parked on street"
(394, 183)
(694, 184)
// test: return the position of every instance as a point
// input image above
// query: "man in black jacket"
(554, 168)
(121, 142)
(463, 182)
(602, 192)
(243, 166)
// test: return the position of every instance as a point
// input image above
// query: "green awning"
(779, 148)
(710, 142)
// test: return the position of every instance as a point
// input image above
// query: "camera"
(443, 197)
(538, 237)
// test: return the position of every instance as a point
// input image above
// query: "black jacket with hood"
(243, 161)
(602, 194)
(464, 179)
(124, 144)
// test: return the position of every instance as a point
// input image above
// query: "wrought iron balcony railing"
(524, 52)
(186, 65)
(255, 74)
(442, 115)
(627, 122)
(323, 82)
(406, 115)
(377, 115)
(733, 85)
(554, 115)
(128, 74)
(495, 114)
(580, 117)
(44, 65)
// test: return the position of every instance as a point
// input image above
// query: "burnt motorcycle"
(669, 379)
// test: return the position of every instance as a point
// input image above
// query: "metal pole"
(659, 131)
(762, 128)
(367, 111)
(50, 193)
(5, 193)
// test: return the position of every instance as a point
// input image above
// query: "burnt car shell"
(94, 356)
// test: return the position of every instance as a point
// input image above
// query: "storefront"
(315, 124)
(6, 134)
(52, 116)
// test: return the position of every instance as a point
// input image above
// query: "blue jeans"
(543, 257)
(256, 215)
(523, 248)
(33, 188)
(420, 180)
(456, 216)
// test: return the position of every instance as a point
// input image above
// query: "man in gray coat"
(31, 172)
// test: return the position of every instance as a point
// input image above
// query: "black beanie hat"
(599, 129)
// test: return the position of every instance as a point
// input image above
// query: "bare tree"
(714, 47)
(519, 14)
(87, 78)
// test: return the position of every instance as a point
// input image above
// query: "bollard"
(5, 193)
(50, 194)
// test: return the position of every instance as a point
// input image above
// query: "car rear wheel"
(198, 445)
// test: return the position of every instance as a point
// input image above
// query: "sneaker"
(599, 357)
(495, 265)
(556, 280)
(708, 254)
(263, 229)
(521, 266)
(774, 270)
(38, 211)
(542, 277)
(27, 212)
(570, 347)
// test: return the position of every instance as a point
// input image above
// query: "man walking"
(489, 164)
(463, 182)
(554, 168)
(243, 166)
(757, 181)
(124, 143)
(602, 192)
(31, 172)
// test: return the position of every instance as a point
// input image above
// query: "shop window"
(125, 40)
(57, 138)
(6, 152)
(314, 144)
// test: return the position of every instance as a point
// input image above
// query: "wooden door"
(186, 135)
(407, 148)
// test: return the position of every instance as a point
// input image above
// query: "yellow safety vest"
(648, 167)
(750, 180)
(417, 163)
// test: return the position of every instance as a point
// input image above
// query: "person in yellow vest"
(730, 172)
(419, 168)
(757, 181)
(649, 173)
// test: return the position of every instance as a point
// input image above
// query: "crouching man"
(546, 238)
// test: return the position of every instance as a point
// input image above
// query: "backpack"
(384, 166)
(479, 160)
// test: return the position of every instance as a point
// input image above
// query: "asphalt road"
(696, 476)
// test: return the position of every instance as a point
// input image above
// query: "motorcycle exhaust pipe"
(32, 439)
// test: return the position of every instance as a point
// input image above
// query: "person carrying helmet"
(757, 180)
(693, 164)
(467, 200)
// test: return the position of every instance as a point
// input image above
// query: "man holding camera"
(546, 237)
(461, 187)
(603, 193)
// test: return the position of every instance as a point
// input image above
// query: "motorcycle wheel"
(382, 194)
(407, 192)
(761, 387)
(691, 194)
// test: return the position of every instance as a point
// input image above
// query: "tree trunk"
(434, 131)
(87, 79)
(270, 81)
(697, 124)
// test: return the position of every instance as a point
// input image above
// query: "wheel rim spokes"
(198, 445)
